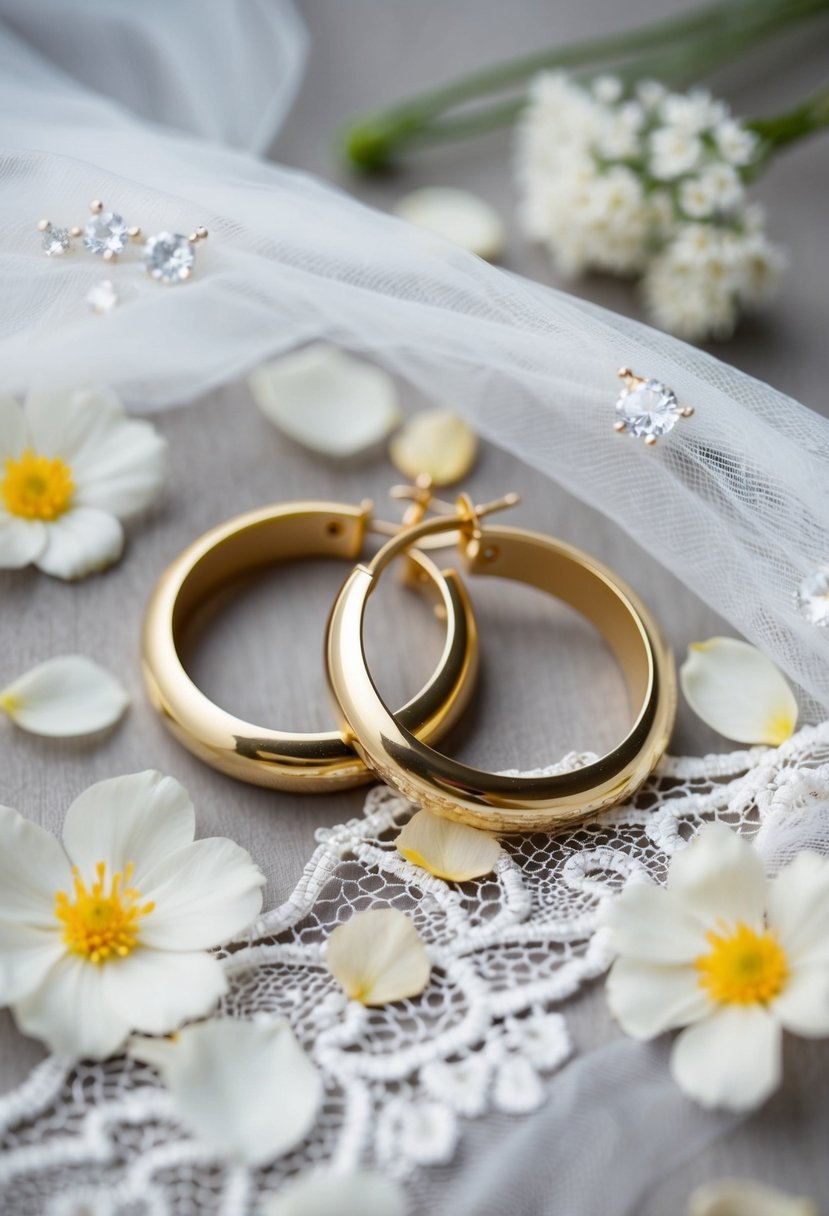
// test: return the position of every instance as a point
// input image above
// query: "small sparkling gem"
(55, 241)
(102, 297)
(169, 256)
(106, 233)
(813, 598)
(648, 409)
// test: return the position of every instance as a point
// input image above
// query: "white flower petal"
(447, 849)
(82, 541)
(720, 877)
(26, 954)
(14, 434)
(69, 695)
(378, 957)
(155, 992)
(738, 691)
(648, 923)
(21, 541)
(65, 424)
(731, 1059)
(803, 1005)
(327, 400)
(68, 1012)
(204, 894)
(139, 819)
(33, 868)
(246, 1089)
(361, 1194)
(745, 1197)
(123, 471)
(647, 999)
(458, 215)
(437, 443)
(798, 908)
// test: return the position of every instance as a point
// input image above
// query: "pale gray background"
(547, 684)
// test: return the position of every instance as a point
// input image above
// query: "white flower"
(113, 937)
(673, 152)
(66, 696)
(246, 1089)
(738, 691)
(729, 954)
(692, 112)
(72, 467)
(735, 142)
(361, 1194)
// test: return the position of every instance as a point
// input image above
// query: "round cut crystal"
(813, 597)
(648, 409)
(55, 241)
(106, 233)
(169, 256)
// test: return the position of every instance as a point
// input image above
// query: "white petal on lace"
(69, 695)
(360, 1194)
(69, 1013)
(66, 424)
(124, 471)
(378, 957)
(798, 908)
(155, 992)
(327, 400)
(204, 895)
(720, 876)
(458, 215)
(731, 1059)
(82, 541)
(246, 1089)
(647, 999)
(33, 868)
(448, 850)
(803, 1005)
(647, 923)
(21, 541)
(738, 691)
(26, 954)
(141, 818)
(14, 434)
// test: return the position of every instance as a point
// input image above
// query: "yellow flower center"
(37, 487)
(743, 967)
(99, 924)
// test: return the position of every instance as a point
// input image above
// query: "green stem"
(808, 118)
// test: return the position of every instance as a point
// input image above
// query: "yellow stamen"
(37, 487)
(100, 924)
(743, 967)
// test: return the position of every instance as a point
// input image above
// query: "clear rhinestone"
(102, 297)
(649, 408)
(169, 256)
(55, 241)
(813, 597)
(106, 233)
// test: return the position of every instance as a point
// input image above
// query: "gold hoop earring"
(489, 800)
(304, 762)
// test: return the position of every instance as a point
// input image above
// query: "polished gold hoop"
(306, 762)
(492, 801)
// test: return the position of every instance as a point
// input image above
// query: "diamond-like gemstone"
(649, 408)
(102, 297)
(55, 241)
(813, 597)
(169, 256)
(106, 233)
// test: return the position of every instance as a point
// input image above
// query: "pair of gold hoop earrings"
(373, 741)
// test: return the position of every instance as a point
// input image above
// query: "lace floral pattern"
(401, 1081)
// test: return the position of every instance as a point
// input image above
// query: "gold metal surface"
(304, 762)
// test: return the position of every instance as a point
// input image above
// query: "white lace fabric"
(402, 1082)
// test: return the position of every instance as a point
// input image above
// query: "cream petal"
(139, 819)
(68, 1012)
(123, 471)
(14, 433)
(647, 999)
(731, 1059)
(155, 992)
(457, 215)
(738, 691)
(246, 1089)
(64, 424)
(65, 696)
(803, 1005)
(33, 868)
(81, 542)
(436, 443)
(649, 923)
(326, 400)
(447, 849)
(361, 1194)
(26, 954)
(378, 957)
(720, 877)
(745, 1197)
(21, 541)
(798, 908)
(204, 894)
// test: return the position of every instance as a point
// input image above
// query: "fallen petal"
(459, 216)
(446, 849)
(66, 696)
(361, 1194)
(743, 1197)
(738, 691)
(378, 957)
(436, 442)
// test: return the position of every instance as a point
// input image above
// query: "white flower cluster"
(649, 184)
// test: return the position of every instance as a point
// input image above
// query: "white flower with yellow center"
(730, 955)
(72, 466)
(111, 936)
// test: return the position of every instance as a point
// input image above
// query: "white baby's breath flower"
(693, 112)
(378, 957)
(111, 935)
(738, 691)
(730, 955)
(735, 142)
(651, 94)
(72, 466)
(674, 151)
(607, 89)
(619, 138)
(360, 1194)
(66, 696)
